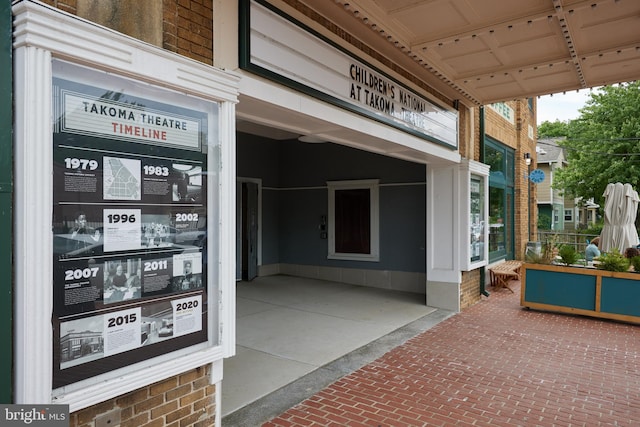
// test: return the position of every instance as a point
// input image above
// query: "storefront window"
(501, 190)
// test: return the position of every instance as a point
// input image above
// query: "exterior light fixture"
(527, 158)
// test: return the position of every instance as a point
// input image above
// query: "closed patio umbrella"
(630, 212)
(620, 210)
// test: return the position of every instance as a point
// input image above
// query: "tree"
(603, 144)
(555, 129)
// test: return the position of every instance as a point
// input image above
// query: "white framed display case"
(474, 211)
(137, 145)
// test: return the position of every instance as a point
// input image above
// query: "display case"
(474, 180)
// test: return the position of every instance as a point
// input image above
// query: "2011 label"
(156, 265)
(121, 320)
(81, 273)
(186, 305)
(184, 217)
(156, 170)
(83, 164)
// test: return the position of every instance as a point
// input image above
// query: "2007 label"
(81, 273)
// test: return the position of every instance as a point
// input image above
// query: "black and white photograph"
(157, 231)
(157, 322)
(122, 280)
(187, 183)
(81, 341)
(187, 271)
(78, 231)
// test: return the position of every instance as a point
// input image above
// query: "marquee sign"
(284, 50)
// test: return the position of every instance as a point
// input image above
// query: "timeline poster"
(129, 222)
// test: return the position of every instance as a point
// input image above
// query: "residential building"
(551, 201)
(562, 211)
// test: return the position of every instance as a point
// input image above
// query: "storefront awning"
(488, 51)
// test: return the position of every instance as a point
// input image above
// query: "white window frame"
(570, 211)
(373, 186)
(82, 42)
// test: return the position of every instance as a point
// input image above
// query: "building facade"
(175, 147)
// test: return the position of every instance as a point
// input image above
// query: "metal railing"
(577, 240)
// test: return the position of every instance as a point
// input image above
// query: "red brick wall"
(185, 400)
(187, 25)
(470, 288)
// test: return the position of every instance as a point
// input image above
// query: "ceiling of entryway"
(484, 51)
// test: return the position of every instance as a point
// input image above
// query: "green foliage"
(635, 262)
(595, 230)
(549, 248)
(544, 222)
(568, 254)
(553, 129)
(603, 144)
(534, 258)
(612, 261)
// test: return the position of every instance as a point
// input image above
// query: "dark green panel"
(561, 289)
(6, 207)
(620, 296)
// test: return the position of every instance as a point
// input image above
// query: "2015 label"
(121, 320)
(81, 273)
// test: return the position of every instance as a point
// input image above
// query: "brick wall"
(185, 400)
(470, 288)
(516, 136)
(181, 26)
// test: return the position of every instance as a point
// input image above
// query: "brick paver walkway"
(494, 364)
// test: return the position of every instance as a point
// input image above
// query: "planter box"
(585, 291)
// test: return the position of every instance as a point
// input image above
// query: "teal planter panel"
(561, 289)
(620, 296)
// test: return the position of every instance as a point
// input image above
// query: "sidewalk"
(494, 364)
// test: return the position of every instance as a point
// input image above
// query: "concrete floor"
(290, 330)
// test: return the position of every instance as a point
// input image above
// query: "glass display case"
(474, 180)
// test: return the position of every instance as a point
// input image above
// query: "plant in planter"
(609, 291)
(635, 262)
(548, 254)
(612, 261)
(568, 254)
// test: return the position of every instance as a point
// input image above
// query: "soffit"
(484, 51)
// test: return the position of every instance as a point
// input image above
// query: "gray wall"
(294, 178)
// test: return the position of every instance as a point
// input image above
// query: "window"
(501, 204)
(568, 215)
(353, 220)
